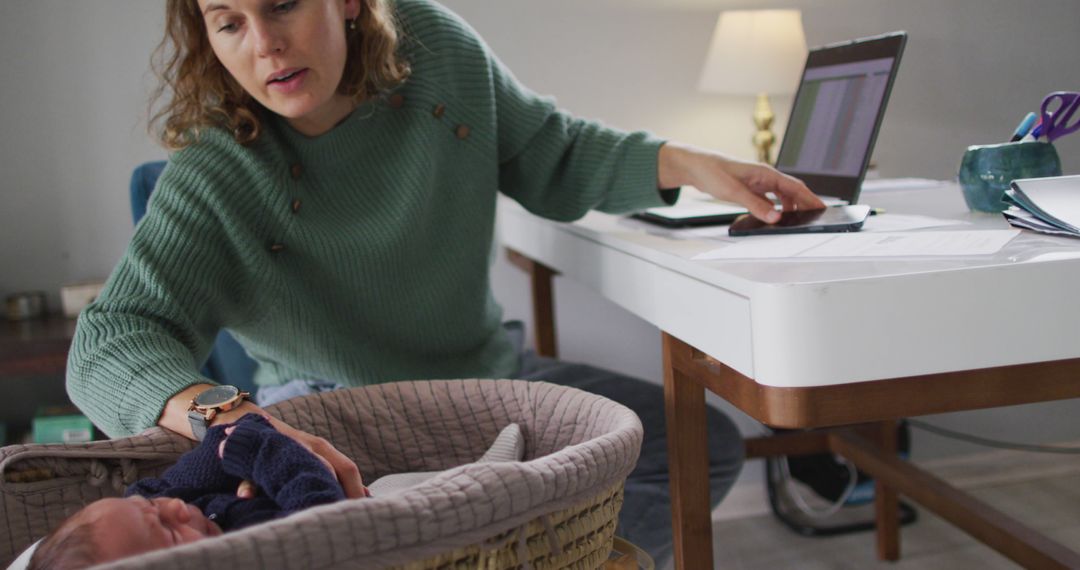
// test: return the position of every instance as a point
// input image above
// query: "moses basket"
(556, 509)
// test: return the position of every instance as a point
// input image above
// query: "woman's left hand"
(745, 183)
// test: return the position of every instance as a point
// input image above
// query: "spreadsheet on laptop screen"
(832, 124)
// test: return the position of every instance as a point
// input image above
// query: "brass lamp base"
(764, 137)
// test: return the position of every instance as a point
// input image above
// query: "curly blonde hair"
(204, 94)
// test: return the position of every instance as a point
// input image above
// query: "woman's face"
(287, 54)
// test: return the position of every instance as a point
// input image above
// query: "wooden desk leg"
(1024, 545)
(886, 501)
(684, 408)
(543, 302)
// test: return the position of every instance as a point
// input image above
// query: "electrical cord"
(784, 471)
(800, 502)
(992, 442)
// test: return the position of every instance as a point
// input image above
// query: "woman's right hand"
(734, 180)
(174, 418)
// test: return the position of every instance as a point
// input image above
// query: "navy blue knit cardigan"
(288, 477)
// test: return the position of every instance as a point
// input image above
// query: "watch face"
(216, 396)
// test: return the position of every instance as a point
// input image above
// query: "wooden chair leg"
(543, 301)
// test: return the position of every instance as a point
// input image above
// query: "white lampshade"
(755, 51)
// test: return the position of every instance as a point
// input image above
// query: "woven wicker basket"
(557, 509)
(578, 537)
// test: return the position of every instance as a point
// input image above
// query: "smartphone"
(834, 219)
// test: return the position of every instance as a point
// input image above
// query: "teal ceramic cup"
(987, 171)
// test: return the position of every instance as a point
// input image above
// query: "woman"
(331, 202)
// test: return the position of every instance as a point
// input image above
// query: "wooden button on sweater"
(439, 111)
(295, 206)
(296, 170)
(462, 132)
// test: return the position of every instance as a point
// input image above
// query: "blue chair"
(228, 363)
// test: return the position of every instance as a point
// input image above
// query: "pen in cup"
(1024, 127)
(1034, 134)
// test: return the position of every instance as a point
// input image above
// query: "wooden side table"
(37, 347)
(33, 362)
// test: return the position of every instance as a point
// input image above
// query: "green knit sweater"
(358, 256)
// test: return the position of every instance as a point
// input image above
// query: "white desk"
(835, 342)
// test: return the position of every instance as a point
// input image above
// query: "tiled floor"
(1046, 497)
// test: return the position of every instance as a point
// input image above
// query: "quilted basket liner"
(555, 509)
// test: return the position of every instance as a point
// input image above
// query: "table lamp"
(756, 52)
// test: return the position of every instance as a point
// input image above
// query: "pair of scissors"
(1059, 121)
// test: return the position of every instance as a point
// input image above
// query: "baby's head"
(111, 529)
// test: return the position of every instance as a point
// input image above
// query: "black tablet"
(835, 219)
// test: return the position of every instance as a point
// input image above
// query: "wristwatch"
(208, 403)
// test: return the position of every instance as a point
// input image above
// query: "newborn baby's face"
(126, 527)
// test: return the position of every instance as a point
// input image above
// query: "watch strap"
(199, 424)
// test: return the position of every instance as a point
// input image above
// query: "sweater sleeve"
(560, 167)
(279, 466)
(555, 165)
(144, 338)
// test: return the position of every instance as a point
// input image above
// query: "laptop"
(831, 130)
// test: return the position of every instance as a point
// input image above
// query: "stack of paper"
(1046, 205)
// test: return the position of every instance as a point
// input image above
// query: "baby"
(197, 497)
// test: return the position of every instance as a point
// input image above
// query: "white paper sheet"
(901, 222)
(706, 232)
(768, 247)
(875, 244)
(1058, 196)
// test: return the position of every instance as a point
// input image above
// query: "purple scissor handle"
(1060, 121)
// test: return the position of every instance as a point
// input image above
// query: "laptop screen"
(837, 112)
